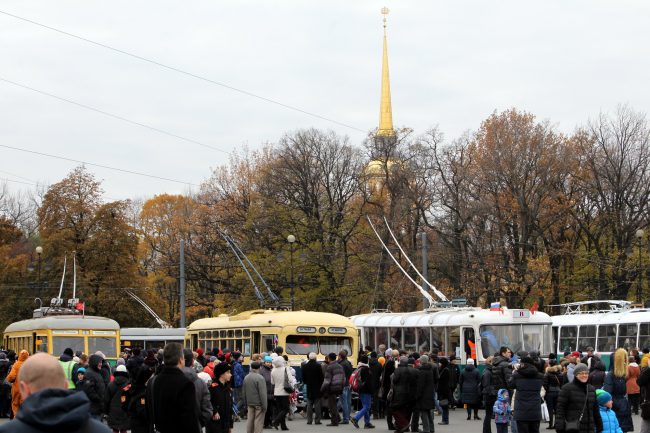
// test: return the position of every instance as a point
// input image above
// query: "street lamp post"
(39, 253)
(639, 284)
(291, 239)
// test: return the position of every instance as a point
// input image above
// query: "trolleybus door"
(256, 342)
(469, 344)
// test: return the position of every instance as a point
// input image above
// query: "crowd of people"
(175, 389)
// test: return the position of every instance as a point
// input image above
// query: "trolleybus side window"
(554, 342)
(395, 338)
(438, 340)
(409, 340)
(301, 344)
(568, 338)
(453, 341)
(587, 337)
(644, 335)
(370, 337)
(41, 343)
(382, 337)
(269, 342)
(533, 338)
(606, 338)
(424, 339)
(627, 335)
(334, 345)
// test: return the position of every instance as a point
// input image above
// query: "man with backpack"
(361, 381)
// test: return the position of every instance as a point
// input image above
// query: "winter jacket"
(527, 381)
(334, 379)
(375, 373)
(55, 410)
(221, 399)
(443, 384)
(105, 372)
(278, 374)
(610, 423)
(366, 385)
(617, 387)
(254, 390)
(487, 389)
(133, 365)
(389, 369)
(171, 402)
(570, 404)
(5, 366)
(118, 419)
(553, 379)
(597, 374)
(501, 408)
(266, 374)
(405, 385)
(501, 372)
(135, 404)
(203, 406)
(347, 369)
(633, 372)
(312, 376)
(209, 368)
(425, 387)
(94, 386)
(16, 398)
(237, 374)
(470, 385)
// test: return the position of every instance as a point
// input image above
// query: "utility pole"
(425, 266)
(182, 283)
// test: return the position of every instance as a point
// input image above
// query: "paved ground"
(457, 424)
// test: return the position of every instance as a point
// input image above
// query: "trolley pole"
(425, 267)
(182, 283)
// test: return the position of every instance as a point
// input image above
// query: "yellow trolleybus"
(53, 334)
(256, 331)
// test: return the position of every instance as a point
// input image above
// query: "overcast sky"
(451, 62)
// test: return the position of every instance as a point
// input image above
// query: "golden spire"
(386, 110)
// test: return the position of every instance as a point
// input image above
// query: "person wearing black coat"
(597, 373)
(577, 401)
(134, 363)
(502, 370)
(5, 388)
(312, 377)
(527, 381)
(470, 389)
(118, 419)
(134, 404)
(221, 399)
(454, 378)
(375, 370)
(170, 397)
(552, 384)
(404, 386)
(489, 395)
(366, 391)
(94, 386)
(389, 369)
(426, 389)
(644, 382)
(443, 390)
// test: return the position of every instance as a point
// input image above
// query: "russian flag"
(495, 306)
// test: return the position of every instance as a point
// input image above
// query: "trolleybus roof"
(63, 322)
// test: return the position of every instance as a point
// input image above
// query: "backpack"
(355, 380)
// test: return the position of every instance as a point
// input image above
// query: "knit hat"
(267, 358)
(220, 369)
(381, 360)
(199, 351)
(120, 361)
(121, 369)
(68, 352)
(100, 353)
(470, 361)
(575, 354)
(603, 397)
(580, 368)
(81, 370)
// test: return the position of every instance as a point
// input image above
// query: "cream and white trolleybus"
(461, 331)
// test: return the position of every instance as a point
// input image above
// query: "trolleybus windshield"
(517, 337)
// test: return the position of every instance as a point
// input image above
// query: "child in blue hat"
(502, 411)
(605, 403)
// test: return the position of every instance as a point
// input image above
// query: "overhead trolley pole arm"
(258, 294)
(272, 295)
(160, 321)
